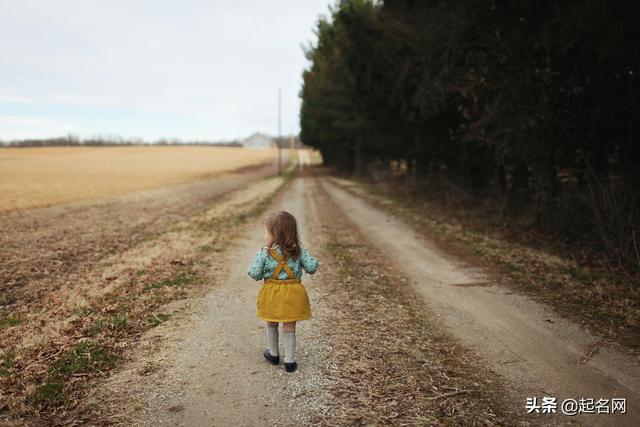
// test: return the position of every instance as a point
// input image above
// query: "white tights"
(289, 337)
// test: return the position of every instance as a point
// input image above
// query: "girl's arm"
(257, 267)
(308, 262)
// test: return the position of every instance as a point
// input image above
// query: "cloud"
(9, 96)
(22, 127)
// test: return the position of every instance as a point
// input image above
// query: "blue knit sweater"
(264, 264)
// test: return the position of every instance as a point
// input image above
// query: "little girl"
(282, 298)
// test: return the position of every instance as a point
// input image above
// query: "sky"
(152, 69)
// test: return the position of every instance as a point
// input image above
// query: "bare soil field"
(44, 176)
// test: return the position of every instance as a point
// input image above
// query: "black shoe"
(290, 367)
(273, 359)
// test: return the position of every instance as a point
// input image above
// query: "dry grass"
(390, 362)
(31, 177)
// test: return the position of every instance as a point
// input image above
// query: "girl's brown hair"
(284, 231)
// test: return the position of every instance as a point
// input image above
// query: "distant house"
(259, 140)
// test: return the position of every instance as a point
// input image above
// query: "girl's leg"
(289, 334)
(272, 337)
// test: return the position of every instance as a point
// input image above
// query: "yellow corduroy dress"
(283, 300)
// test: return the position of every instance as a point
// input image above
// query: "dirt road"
(402, 333)
(206, 368)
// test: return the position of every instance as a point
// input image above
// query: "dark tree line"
(72, 141)
(534, 102)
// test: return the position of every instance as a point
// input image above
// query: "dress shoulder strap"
(282, 264)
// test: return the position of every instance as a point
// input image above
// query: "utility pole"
(279, 132)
